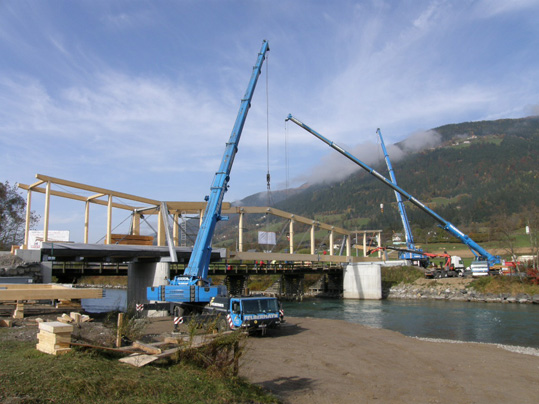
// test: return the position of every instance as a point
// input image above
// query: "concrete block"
(362, 281)
(142, 275)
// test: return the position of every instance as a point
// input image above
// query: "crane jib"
(200, 258)
(476, 248)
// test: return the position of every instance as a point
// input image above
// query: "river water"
(509, 324)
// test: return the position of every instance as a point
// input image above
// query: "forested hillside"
(480, 171)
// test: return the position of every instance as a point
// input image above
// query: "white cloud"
(491, 8)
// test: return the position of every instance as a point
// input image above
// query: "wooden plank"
(125, 239)
(52, 351)
(139, 360)
(5, 322)
(98, 190)
(149, 349)
(53, 339)
(7, 286)
(55, 327)
(122, 350)
(75, 197)
(132, 237)
(48, 293)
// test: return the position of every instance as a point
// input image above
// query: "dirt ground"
(444, 283)
(330, 361)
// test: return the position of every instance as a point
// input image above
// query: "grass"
(504, 284)
(29, 376)
(261, 282)
(395, 275)
(104, 280)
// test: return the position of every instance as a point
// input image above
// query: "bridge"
(136, 255)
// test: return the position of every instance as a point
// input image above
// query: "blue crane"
(413, 253)
(194, 286)
(480, 253)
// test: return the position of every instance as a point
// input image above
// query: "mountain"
(274, 197)
(478, 171)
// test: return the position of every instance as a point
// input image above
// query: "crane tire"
(222, 325)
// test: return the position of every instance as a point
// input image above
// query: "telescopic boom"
(476, 249)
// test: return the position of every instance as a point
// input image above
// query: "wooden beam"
(45, 292)
(283, 214)
(76, 197)
(136, 224)
(161, 236)
(97, 189)
(313, 238)
(109, 220)
(95, 196)
(240, 233)
(86, 221)
(175, 229)
(28, 213)
(291, 235)
(47, 209)
(268, 257)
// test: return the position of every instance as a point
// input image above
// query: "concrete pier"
(362, 281)
(142, 275)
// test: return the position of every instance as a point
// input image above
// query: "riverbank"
(312, 361)
(457, 289)
(307, 361)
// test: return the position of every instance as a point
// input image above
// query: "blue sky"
(141, 96)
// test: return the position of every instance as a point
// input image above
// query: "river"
(509, 324)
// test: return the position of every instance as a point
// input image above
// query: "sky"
(141, 96)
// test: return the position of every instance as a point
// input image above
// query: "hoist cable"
(286, 165)
(268, 176)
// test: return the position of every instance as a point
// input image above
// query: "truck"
(481, 255)
(253, 314)
(192, 292)
(452, 267)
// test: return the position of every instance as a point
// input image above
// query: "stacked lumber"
(131, 239)
(68, 304)
(54, 337)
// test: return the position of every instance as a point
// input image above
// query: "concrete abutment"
(362, 281)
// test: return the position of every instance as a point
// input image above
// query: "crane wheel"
(222, 325)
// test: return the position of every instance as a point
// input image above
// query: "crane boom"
(193, 290)
(200, 257)
(402, 210)
(476, 249)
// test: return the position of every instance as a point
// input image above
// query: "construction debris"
(74, 317)
(54, 337)
(5, 322)
(155, 351)
(19, 310)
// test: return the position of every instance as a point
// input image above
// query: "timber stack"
(54, 337)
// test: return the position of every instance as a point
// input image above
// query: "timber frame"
(140, 205)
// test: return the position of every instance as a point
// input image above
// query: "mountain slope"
(481, 170)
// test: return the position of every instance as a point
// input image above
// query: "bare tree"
(503, 227)
(531, 219)
(12, 216)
